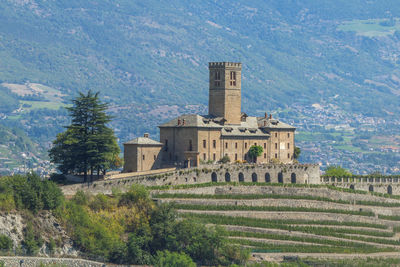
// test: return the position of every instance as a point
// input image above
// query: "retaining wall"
(274, 173)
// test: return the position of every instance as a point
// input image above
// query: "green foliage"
(224, 159)
(173, 259)
(87, 144)
(255, 151)
(297, 152)
(29, 192)
(5, 242)
(337, 171)
(32, 240)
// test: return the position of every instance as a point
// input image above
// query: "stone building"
(225, 131)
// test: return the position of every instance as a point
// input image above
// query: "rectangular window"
(288, 135)
(217, 80)
(166, 144)
(276, 155)
(143, 157)
(265, 155)
(226, 145)
(255, 144)
(155, 157)
(245, 145)
(204, 143)
(214, 143)
(204, 156)
(214, 157)
(236, 145)
(276, 134)
(233, 78)
(236, 156)
(265, 145)
(276, 145)
(288, 156)
(288, 145)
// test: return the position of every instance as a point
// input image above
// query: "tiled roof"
(143, 141)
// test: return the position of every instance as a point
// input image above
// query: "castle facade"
(188, 140)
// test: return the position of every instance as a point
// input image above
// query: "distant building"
(226, 131)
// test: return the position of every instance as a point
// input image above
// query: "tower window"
(245, 145)
(236, 158)
(190, 145)
(214, 157)
(204, 156)
(226, 145)
(204, 143)
(233, 78)
(214, 144)
(276, 145)
(166, 144)
(143, 157)
(217, 80)
(288, 145)
(236, 145)
(265, 145)
(288, 135)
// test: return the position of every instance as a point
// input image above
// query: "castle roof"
(143, 141)
(267, 123)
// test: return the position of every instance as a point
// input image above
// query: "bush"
(173, 259)
(5, 242)
(224, 159)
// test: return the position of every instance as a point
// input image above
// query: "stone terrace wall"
(36, 261)
(274, 173)
(385, 185)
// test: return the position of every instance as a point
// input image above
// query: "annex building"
(188, 140)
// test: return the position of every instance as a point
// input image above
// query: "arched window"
(389, 190)
(293, 178)
(352, 186)
(214, 177)
(280, 178)
(227, 177)
(241, 177)
(254, 177)
(267, 178)
(371, 188)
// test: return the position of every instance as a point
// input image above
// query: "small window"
(204, 156)
(166, 144)
(204, 143)
(143, 157)
(255, 144)
(276, 145)
(226, 145)
(190, 145)
(276, 134)
(265, 155)
(236, 145)
(155, 157)
(214, 157)
(288, 135)
(214, 143)
(276, 155)
(233, 78)
(236, 158)
(245, 145)
(288, 145)
(265, 145)
(288, 156)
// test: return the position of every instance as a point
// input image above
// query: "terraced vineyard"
(277, 221)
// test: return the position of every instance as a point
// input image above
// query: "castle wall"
(209, 173)
(130, 158)
(282, 145)
(141, 158)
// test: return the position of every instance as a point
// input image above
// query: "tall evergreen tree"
(87, 145)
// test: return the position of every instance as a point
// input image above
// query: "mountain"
(149, 58)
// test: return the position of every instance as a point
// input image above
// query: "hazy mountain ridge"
(148, 57)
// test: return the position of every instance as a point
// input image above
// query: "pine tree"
(87, 145)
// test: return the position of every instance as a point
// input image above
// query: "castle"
(226, 131)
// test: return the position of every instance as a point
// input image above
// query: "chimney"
(183, 122)
(270, 116)
(179, 121)
(266, 115)
(146, 135)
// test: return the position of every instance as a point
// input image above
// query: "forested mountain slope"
(149, 58)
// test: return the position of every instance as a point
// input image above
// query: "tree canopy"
(337, 171)
(255, 151)
(87, 144)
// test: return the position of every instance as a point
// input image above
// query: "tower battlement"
(224, 64)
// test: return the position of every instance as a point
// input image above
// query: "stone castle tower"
(225, 91)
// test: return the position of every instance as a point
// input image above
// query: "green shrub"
(5, 242)
(32, 240)
(173, 259)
